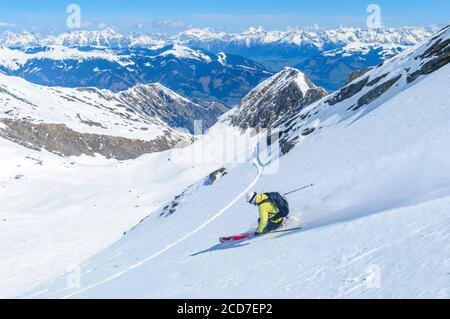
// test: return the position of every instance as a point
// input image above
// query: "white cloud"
(6, 24)
(170, 24)
(102, 25)
(238, 22)
(85, 24)
(139, 26)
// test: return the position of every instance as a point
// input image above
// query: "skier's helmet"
(251, 197)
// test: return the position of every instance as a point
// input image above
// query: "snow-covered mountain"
(331, 69)
(275, 100)
(316, 37)
(79, 121)
(280, 48)
(215, 41)
(325, 56)
(19, 40)
(107, 38)
(194, 73)
(374, 225)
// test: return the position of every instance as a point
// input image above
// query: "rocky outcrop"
(375, 93)
(439, 55)
(276, 99)
(156, 100)
(357, 74)
(348, 91)
(214, 176)
(61, 140)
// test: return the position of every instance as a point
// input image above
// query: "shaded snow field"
(376, 223)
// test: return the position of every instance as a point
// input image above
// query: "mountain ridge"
(78, 121)
(194, 73)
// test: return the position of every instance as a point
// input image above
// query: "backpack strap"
(267, 200)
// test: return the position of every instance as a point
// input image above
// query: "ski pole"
(297, 190)
(286, 230)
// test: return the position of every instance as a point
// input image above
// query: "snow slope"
(375, 225)
(58, 211)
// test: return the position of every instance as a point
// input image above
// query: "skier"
(272, 208)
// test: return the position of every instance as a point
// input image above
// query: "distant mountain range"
(193, 73)
(326, 56)
(221, 41)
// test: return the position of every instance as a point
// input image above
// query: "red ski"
(227, 239)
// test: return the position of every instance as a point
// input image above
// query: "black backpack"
(280, 203)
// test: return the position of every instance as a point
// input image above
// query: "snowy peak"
(184, 52)
(14, 59)
(284, 78)
(14, 40)
(203, 34)
(108, 37)
(11, 59)
(317, 37)
(276, 99)
(111, 38)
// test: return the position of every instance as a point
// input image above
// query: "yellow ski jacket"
(267, 210)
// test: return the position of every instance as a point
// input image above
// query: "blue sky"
(227, 15)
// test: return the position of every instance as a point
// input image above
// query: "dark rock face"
(375, 93)
(378, 79)
(275, 100)
(266, 117)
(156, 100)
(216, 175)
(61, 140)
(440, 53)
(348, 91)
(286, 145)
(357, 74)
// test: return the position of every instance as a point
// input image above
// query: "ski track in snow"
(209, 221)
